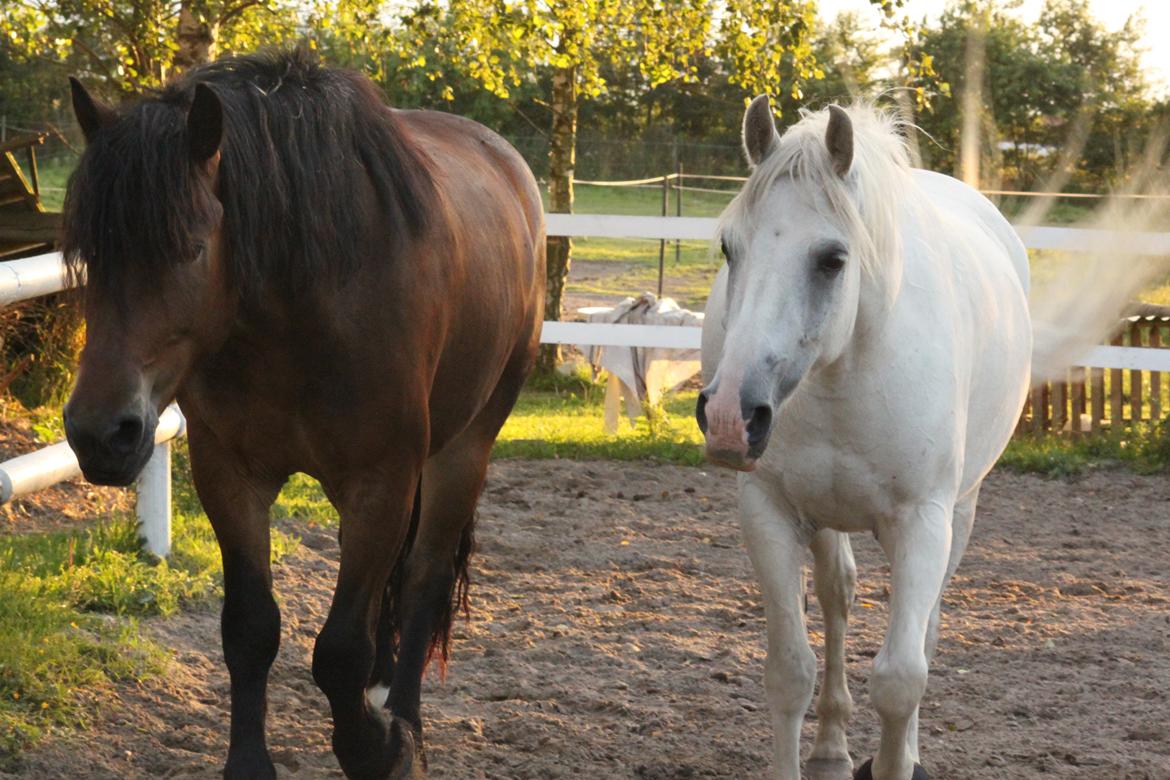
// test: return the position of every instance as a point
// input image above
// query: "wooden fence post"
(1135, 375)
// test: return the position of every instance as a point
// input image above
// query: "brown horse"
(327, 286)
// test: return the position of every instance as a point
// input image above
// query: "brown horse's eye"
(200, 253)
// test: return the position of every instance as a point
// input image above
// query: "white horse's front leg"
(917, 546)
(835, 578)
(963, 522)
(776, 548)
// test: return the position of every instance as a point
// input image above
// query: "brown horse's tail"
(456, 600)
(445, 605)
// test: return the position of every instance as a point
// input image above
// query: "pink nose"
(721, 421)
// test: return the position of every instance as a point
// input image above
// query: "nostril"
(701, 412)
(126, 436)
(759, 424)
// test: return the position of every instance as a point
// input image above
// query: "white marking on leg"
(376, 695)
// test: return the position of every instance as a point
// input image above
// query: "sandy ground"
(616, 632)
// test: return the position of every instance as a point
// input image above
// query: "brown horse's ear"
(204, 124)
(91, 114)
(839, 139)
(759, 130)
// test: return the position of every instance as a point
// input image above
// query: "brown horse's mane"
(297, 138)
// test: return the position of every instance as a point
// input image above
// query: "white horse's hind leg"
(835, 577)
(776, 549)
(918, 546)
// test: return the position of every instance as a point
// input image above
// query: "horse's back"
(473, 153)
(975, 270)
(952, 195)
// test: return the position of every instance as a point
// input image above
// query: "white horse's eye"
(723, 249)
(832, 261)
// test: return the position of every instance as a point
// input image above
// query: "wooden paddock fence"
(1092, 400)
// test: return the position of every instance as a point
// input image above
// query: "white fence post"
(154, 502)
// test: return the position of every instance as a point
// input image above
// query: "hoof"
(828, 769)
(392, 754)
(414, 763)
(866, 772)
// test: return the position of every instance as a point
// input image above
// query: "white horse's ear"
(759, 130)
(839, 139)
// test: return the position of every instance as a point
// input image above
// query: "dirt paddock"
(616, 632)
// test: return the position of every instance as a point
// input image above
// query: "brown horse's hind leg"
(452, 481)
(386, 636)
(238, 509)
(429, 590)
(375, 512)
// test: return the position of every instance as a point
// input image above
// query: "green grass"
(1143, 448)
(566, 419)
(51, 653)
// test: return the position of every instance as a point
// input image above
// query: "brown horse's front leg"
(237, 505)
(375, 518)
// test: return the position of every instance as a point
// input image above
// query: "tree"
(1041, 84)
(135, 44)
(849, 56)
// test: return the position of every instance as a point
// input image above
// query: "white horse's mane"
(865, 202)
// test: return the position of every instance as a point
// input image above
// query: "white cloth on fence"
(641, 374)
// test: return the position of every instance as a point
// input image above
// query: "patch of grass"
(570, 423)
(1144, 448)
(51, 652)
(646, 200)
(302, 498)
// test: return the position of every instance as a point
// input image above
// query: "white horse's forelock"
(865, 202)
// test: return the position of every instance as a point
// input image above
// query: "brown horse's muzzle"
(112, 448)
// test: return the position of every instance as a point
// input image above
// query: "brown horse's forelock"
(297, 139)
(134, 204)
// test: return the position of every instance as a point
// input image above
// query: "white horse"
(872, 323)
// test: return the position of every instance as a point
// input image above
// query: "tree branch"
(232, 12)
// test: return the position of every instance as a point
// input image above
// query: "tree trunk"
(195, 37)
(562, 160)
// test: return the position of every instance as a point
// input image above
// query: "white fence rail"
(42, 275)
